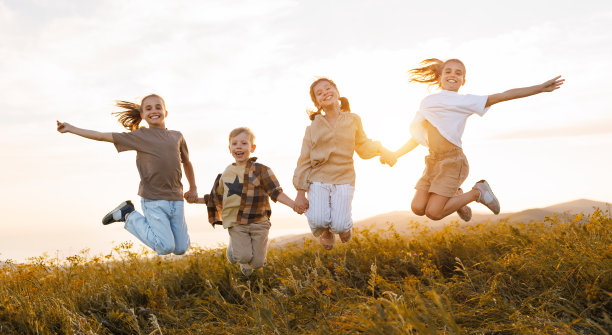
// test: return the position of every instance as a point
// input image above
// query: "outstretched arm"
(64, 127)
(523, 92)
(406, 148)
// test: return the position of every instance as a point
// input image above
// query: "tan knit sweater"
(327, 151)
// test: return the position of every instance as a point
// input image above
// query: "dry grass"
(550, 277)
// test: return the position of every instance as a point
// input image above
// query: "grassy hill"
(552, 276)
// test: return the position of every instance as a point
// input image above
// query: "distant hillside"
(402, 220)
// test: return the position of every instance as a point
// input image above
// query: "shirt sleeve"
(126, 141)
(270, 184)
(214, 202)
(302, 170)
(365, 147)
(183, 149)
(473, 103)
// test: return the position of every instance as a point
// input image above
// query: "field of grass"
(549, 277)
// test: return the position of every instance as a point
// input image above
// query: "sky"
(224, 64)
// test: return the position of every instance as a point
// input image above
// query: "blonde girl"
(439, 125)
(325, 170)
(159, 155)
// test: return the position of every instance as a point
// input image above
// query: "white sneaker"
(487, 197)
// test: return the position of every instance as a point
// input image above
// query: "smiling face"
(241, 147)
(153, 110)
(452, 76)
(325, 94)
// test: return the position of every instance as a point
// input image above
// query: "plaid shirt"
(259, 185)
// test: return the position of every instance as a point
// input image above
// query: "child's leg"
(341, 208)
(179, 227)
(419, 202)
(152, 229)
(319, 210)
(439, 206)
(240, 241)
(259, 242)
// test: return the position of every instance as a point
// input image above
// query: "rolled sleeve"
(365, 147)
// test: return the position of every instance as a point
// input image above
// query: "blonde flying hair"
(241, 130)
(130, 116)
(430, 71)
(344, 104)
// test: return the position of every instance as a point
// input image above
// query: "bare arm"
(192, 194)
(64, 127)
(284, 199)
(406, 148)
(523, 92)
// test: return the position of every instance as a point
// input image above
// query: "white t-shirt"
(447, 111)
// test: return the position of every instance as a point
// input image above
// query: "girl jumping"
(159, 154)
(439, 125)
(325, 167)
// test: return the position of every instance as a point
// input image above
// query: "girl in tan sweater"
(325, 168)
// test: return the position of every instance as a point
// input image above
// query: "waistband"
(446, 154)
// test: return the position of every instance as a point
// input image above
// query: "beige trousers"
(249, 243)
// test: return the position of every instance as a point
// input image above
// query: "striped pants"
(329, 206)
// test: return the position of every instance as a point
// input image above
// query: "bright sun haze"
(220, 66)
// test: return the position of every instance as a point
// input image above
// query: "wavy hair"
(241, 130)
(344, 103)
(429, 71)
(130, 117)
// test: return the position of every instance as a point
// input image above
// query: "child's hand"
(191, 196)
(298, 209)
(388, 157)
(63, 127)
(552, 84)
(301, 204)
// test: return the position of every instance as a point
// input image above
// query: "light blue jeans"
(162, 228)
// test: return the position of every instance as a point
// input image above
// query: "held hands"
(192, 196)
(388, 157)
(552, 84)
(300, 203)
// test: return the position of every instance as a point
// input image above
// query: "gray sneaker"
(487, 197)
(246, 271)
(119, 213)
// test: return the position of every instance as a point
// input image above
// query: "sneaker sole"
(108, 218)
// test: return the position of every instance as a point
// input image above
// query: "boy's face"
(241, 147)
(154, 112)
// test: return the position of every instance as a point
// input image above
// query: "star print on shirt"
(234, 188)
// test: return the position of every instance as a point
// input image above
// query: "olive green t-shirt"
(159, 154)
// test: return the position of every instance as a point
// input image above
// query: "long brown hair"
(344, 103)
(430, 71)
(130, 116)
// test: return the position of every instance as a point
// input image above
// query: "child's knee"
(164, 247)
(180, 251)
(434, 214)
(418, 210)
